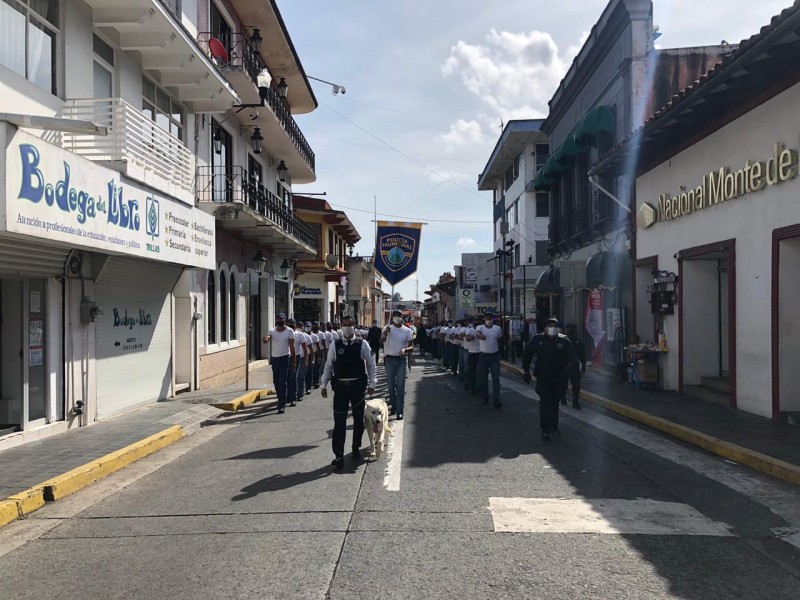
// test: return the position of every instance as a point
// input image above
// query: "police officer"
(578, 369)
(350, 368)
(554, 359)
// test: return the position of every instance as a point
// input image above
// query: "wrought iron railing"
(132, 138)
(173, 6)
(601, 211)
(241, 57)
(236, 185)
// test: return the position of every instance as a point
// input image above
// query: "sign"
(301, 290)
(613, 323)
(466, 297)
(397, 250)
(721, 186)
(593, 321)
(60, 196)
(470, 275)
(35, 341)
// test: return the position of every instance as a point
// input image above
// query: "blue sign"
(397, 250)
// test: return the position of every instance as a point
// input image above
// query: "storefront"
(718, 233)
(88, 264)
(311, 298)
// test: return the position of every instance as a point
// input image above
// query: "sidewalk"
(97, 450)
(748, 439)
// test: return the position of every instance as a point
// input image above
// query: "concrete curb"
(245, 400)
(24, 503)
(744, 456)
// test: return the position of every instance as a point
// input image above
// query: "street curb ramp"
(744, 456)
(245, 400)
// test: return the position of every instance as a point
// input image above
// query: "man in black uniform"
(351, 370)
(554, 358)
(578, 369)
(374, 340)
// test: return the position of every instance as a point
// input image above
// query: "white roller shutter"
(21, 257)
(134, 335)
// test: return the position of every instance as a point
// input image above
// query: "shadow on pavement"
(278, 482)
(268, 453)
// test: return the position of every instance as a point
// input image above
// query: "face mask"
(279, 323)
(552, 331)
(396, 320)
(308, 328)
(347, 331)
(488, 323)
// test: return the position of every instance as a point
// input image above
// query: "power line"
(407, 219)
(400, 112)
(463, 160)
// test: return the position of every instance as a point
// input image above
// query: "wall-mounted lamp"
(283, 88)
(282, 171)
(285, 269)
(217, 138)
(256, 140)
(351, 249)
(255, 41)
(260, 262)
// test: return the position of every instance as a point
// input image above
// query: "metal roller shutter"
(134, 335)
(21, 257)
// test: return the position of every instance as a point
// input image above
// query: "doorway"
(23, 355)
(785, 324)
(706, 322)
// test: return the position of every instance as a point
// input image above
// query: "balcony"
(242, 205)
(169, 53)
(282, 136)
(136, 146)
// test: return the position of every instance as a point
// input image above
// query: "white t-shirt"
(491, 344)
(299, 340)
(280, 341)
(339, 334)
(314, 341)
(329, 337)
(475, 345)
(397, 339)
(463, 341)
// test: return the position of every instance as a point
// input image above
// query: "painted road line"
(391, 478)
(781, 499)
(601, 516)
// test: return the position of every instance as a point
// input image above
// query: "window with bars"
(162, 108)
(28, 40)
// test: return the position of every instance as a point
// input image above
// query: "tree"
(397, 297)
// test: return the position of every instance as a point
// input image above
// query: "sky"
(428, 84)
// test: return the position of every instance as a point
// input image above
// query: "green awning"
(598, 120)
(541, 183)
(572, 147)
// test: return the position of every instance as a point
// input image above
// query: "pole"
(524, 304)
(247, 340)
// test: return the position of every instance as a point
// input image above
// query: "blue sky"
(428, 84)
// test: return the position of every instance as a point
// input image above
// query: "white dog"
(376, 422)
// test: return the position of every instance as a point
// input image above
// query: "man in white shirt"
(462, 351)
(282, 358)
(473, 353)
(312, 357)
(350, 368)
(489, 335)
(447, 353)
(322, 348)
(301, 351)
(397, 341)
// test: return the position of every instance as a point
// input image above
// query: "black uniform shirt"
(554, 356)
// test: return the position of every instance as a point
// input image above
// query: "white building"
(107, 241)
(718, 228)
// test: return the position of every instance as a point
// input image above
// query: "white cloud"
(465, 242)
(514, 73)
(462, 133)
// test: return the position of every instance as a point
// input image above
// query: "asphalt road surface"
(467, 503)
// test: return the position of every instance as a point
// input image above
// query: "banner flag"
(397, 250)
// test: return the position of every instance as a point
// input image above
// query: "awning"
(549, 282)
(601, 270)
(572, 147)
(598, 120)
(541, 182)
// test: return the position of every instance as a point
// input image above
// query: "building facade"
(320, 284)
(718, 231)
(364, 293)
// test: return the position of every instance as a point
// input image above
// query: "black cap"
(552, 320)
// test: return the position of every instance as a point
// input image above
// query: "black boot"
(563, 402)
(338, 463)
(576, 404)
(545, 434)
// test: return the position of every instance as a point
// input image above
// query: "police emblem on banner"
(397, 250)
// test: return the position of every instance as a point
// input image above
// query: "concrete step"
(702, 392)
(721, 384)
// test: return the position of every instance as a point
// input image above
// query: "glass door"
(35, 357)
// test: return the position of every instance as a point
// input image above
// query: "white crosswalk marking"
(391, 480)
(603, 516)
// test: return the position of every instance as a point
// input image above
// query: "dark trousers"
(574, 379)
(454, 350)
(376, 351)
(319, 365)
(291, 384)
(446, 354)
(344, 397)
(549, 396)
(472, 371)
(280, 376)
(312, 360)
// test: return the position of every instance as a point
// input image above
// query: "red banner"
(595, 323)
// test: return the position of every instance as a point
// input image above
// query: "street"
(467, 503)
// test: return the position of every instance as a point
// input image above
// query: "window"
(542, 154)
(542, 204)
(28, 31)
(516, 255)
(103, 68)
(223, 306)
(211, 308)
(541, 253)
(222, 163)
(159, 106)
(233, 305)
(512, 214)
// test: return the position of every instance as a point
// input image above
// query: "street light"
(255, 41)
(257, 140)
(260, 262)
(283, 88)
(282, 171)
(285, 269)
